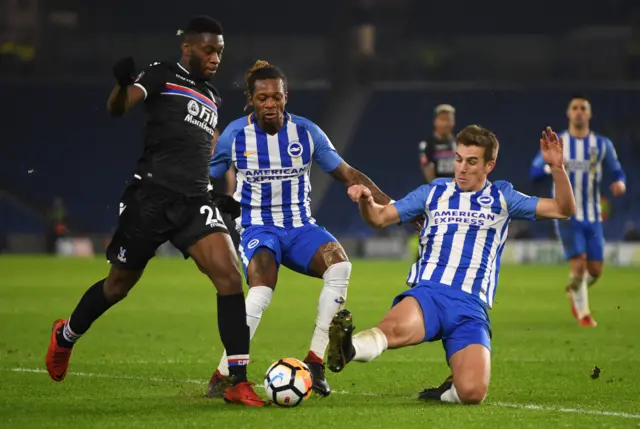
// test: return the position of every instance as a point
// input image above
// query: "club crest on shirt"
(193, 108)
(295, 149)
(485, 200)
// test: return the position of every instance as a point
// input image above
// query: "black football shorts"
(151, 215)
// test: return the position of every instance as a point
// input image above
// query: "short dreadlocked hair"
(261, 70)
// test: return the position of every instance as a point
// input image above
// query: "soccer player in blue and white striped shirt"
(455, 281)
(272, 151)
(585, 152)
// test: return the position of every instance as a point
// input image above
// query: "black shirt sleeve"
(152, 80)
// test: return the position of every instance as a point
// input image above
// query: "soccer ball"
(288, 382)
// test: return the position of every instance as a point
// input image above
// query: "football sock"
(332, 299)
(91, 306)
(369, 344)
(313, 358)
(257, 301)
(581, 298)
(234, 333)
(451, 396)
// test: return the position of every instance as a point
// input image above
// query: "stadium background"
(369, 72)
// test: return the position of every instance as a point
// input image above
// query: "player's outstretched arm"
(563, 205)
(376, 215)
(349, 176)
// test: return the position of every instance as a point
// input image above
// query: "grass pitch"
(146, 362)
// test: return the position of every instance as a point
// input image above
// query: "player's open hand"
(618, 188)
(552, 148)
(359, 193)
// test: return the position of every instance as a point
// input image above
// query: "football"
(288, 382)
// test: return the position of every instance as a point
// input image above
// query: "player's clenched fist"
(125, 71)
(618, 188)
(359, 193)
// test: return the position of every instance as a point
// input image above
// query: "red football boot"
(218, 385)
(57, 357)
(243, 393)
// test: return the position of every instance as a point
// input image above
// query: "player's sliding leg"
(95, 301)
(471, 369)
(402, 326)
(331, 263)
(262, 274)
(215, 256)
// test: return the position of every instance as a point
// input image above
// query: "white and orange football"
(288, 382)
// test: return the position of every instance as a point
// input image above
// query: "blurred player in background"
(453, 288)
(582, 238)
(437, 154)
(272, 151)
(169, 200)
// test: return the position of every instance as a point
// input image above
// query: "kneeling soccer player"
(455, 280)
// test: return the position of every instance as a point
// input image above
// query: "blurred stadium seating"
(78, 152)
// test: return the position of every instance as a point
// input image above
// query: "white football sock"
(581, 298)
(451, 396)
(331, 301)
(591, 280)
(258, 299)
(369, 344)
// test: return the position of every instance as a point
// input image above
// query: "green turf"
(146, 362)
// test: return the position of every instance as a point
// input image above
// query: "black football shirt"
(182, 114)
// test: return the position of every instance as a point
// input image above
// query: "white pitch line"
(343, 392)
(113, 377)
(566, 410)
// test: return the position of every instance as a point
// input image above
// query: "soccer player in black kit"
(438, 153)
(168, 200)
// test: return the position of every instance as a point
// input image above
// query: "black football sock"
(91, 306)
(234, 333)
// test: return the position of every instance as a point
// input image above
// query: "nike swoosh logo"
(249, 153)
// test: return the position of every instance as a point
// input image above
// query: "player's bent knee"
(328, 255)
(225, 277)
(333, 253)
(262, 269)
(578, 265)
(119, 283)
(397, 334)
(229, 283)
(595, 271)
(471, 393)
